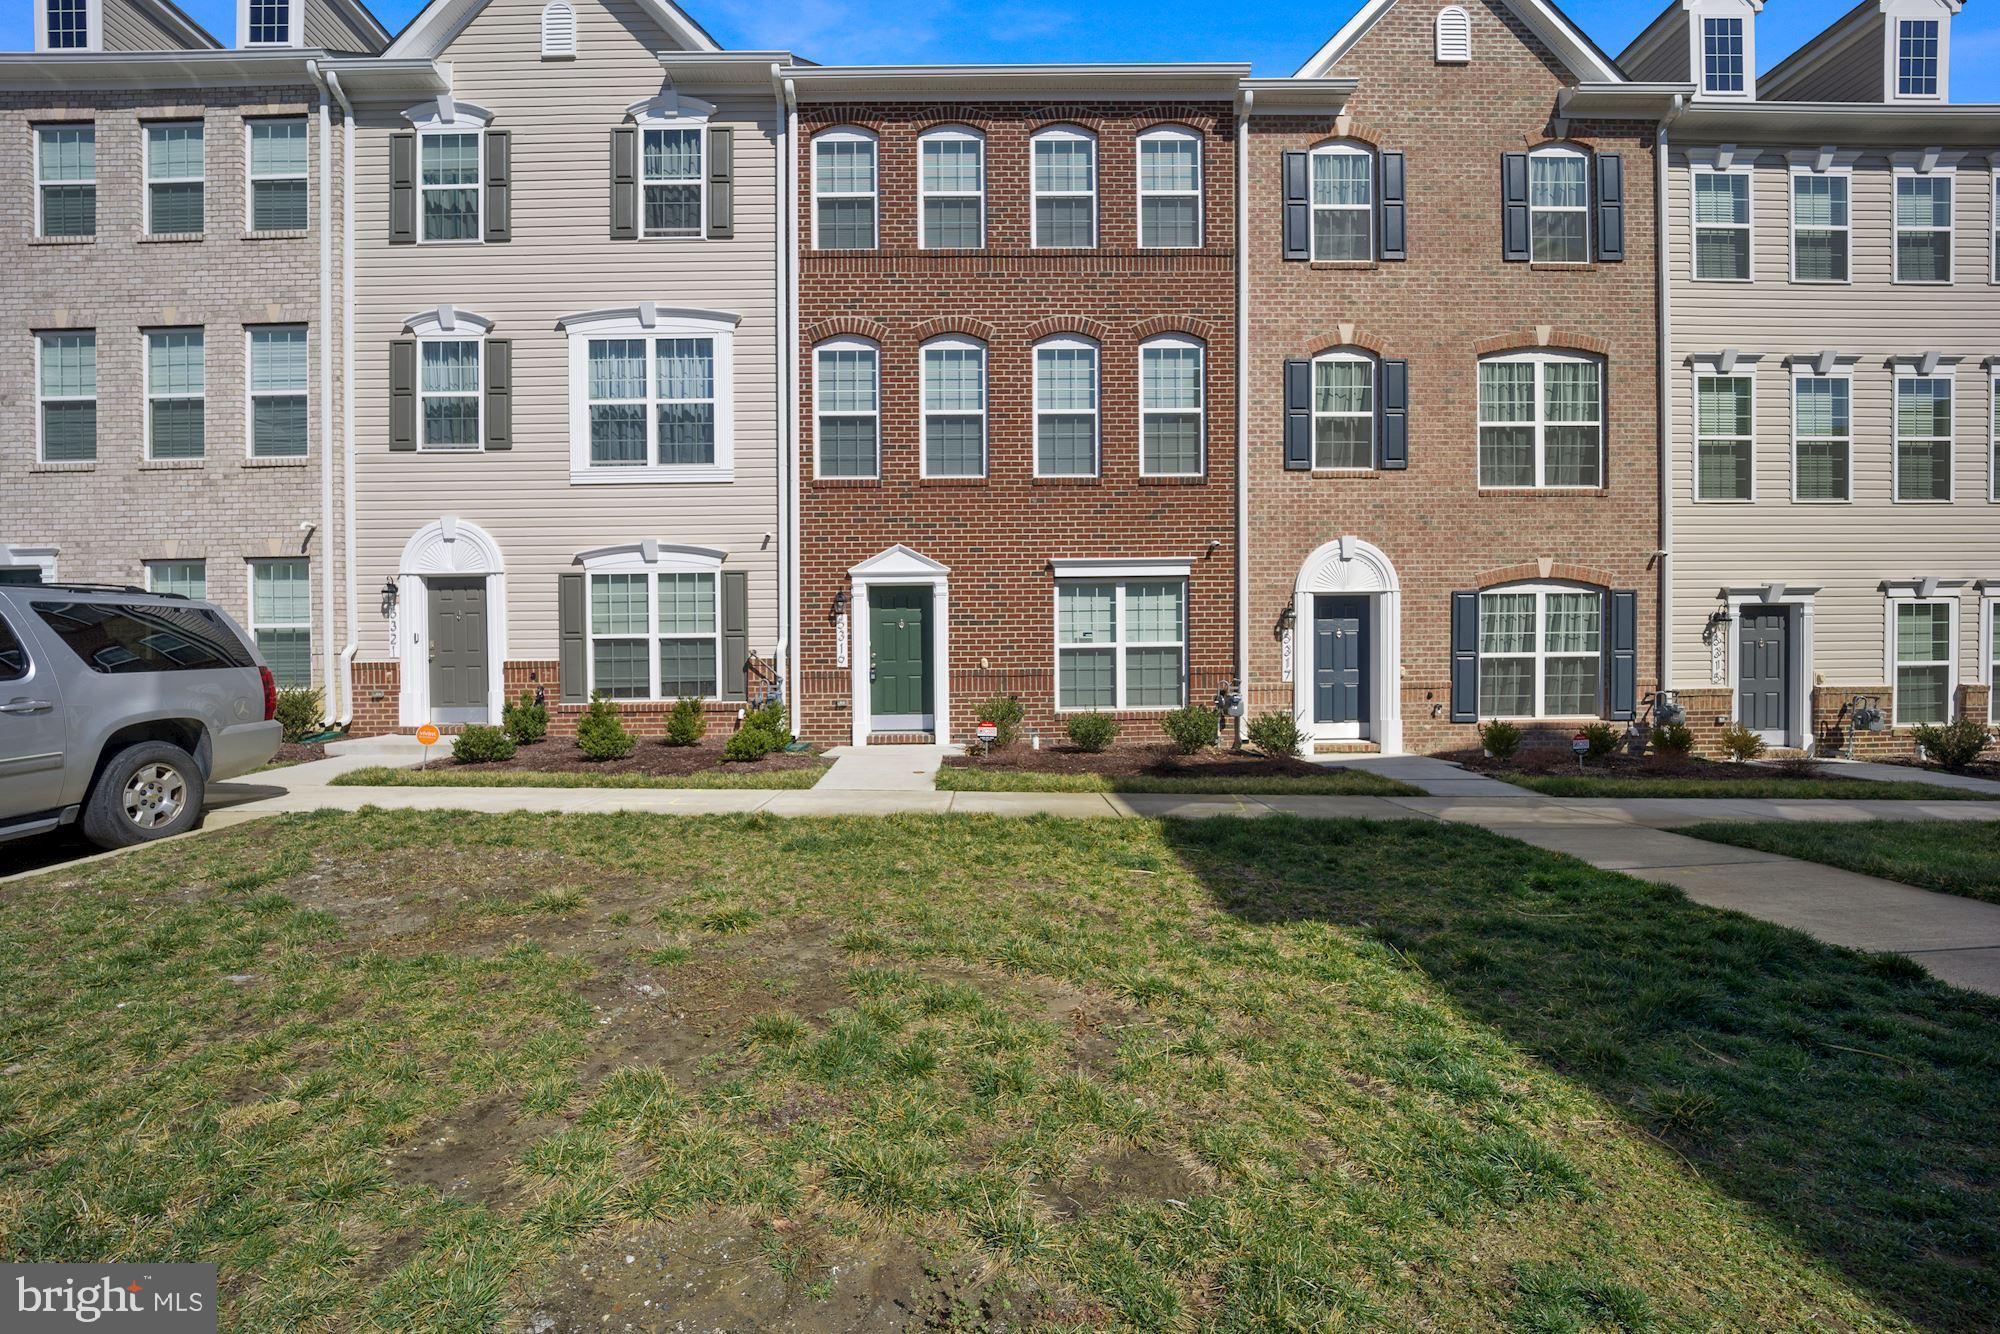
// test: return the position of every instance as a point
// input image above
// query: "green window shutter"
(499, 222)
(721, 182)
(573, 640)
(403, 394)
(735, 632)
(625, 183)
(403, 188)
(499, 393)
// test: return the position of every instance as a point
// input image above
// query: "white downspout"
(331, 701)
(1664, 301)
(786, 593)
(1244, 100)
(788, 377)
(353, 643)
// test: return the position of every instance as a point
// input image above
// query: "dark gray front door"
(1340, 662)
(1763, 673)
(458, 650)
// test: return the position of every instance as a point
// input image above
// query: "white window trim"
(1809, 373)
(1904, 171)
(250, 606)
(1993, 432)
(1373, 415)
(1118, 643)
(1892, 32)
(1036, 195)
(147, 182)
(1842, 173)
(468, 333)
(651, 559)
(1745, 169)
(294, 26)
(1541, 423)
(146, 387)
(845, 343)
(153, 565)
(1897, 374)
(1541, 655)
(1200, 412)
(1698, 36)
(955, 133)
(251, 176)
(1993, 209)
(650, 321)
(850, 134)
(93, 20)
(1185, 135)
(1916, 598)
(1544, 152)
(41, 444)
(947, 342)
(1989, 607)
(1068, 341)
(41, 229)
(1744, 371)
(444, 115)
(251, 394)
(1346, 148)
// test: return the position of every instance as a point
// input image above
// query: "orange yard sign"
(427, 734)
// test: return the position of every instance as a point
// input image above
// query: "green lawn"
(1751, 788)
(1338, 783)
(473, 775)
(432, 1070)
(1953, 856)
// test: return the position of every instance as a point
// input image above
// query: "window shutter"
(735, 632)
(1514, 207)
(1298, 205)
(499, 393)
(499, 223)
(1611, 208)
(1395, 211)
(572, 643)
(624, 183)
(1624, 641)
(1395, 402)
(1465, 657)
(1298, 415)
(403, 394)
(721, 182)
(403, 188)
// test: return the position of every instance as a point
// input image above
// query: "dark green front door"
(899, 645)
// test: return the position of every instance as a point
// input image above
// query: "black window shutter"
(1624, 640)
(572, 641)
(499, 218)
(1395, 209)
(499, 393)
(1611, 208)
(1465, 657)
(1298, 415)
(1395, 401)
(735, 632)
(1514, 207)
(403, 188)
(721, 182)
(1298, 205)
(624, 183)
(403, 394)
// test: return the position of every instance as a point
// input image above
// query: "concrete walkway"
(1903, 773)
(885, 768)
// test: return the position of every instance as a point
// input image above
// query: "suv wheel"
(148, 791)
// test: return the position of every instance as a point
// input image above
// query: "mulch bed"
(298, 752)
(1132, 761)
(651, 756)
(1562, 764)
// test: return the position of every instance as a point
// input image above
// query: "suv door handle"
(26, 706)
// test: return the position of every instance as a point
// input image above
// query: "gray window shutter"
(403, 394)
(1298, 415)
(1514, 207)
(499, 393)
(1395, 400)
(1465, 657)
(735, 632)
(1624, 645)
(1395, 210)
(624, 183)
(1611, 208)
(572, 641)
(721, 182)
(1298, 205)
(403, 188)
(499, 219)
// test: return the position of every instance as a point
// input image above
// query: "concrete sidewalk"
(1903, 773)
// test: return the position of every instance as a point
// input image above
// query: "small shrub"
(301, 712)
(1602, 739)
(525, 721)
(751, 743)
(1278, 733)
(600, 732)
(1192, 729)
(1500, 738)
(1092, 731)
(1952, 745)
(1005, 713)
(687, 724)
(772, 718)
(480, 744)
(1673, 741)
(1741, 742)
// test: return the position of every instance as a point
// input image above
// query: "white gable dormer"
(1916, 50)
(1722, 47)
(270, 23)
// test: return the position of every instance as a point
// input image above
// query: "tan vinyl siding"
(1852, 73)
(130, 27)
(329, 28)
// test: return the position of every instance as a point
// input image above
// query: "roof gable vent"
(559, 31)
(1454, 36)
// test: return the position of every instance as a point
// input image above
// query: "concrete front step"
(1346, 748)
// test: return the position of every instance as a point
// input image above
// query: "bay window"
(1541, 653)
(1121, 645)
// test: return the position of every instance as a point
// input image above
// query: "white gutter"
(788, 363)
(1245, 98)
(347, 650)
(330, 701)
(1664, 300)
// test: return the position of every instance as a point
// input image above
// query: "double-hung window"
(1724, 414)
(1540, 653)
(1917, 58)
(1541, 421)
(652, 402)
(844, 190)
(954, 408)
(281, 617)
(1923, 227)
(174, 179)
(1721, 225)
(66, 380)
(1819, 227)
(1822, 437)
(847, 398)
(951, 189)
(1923, 437)
(176, 394)
(1343, 411)
(1994, 249)
(448, 178)
(278, 375)
(1992, 661)
(278, 176)
(1064, 180)
(1121, 645)
(1559, 206)
(654, 636)
(1343, 203)
(1171, 407)
(1065, 408)
(449, 399)
(1169, 189)
(672, 168)
(178, 578)
(66, 179)
(1923, 644)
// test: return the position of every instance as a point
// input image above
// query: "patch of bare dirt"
(650, 756)
(470, 1155)
(1121, 1176)
(1140, 761)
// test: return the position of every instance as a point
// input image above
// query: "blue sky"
(1274, 38)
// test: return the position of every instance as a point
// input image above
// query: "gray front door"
(1764, 670)
(1340, 663)
(458, 650)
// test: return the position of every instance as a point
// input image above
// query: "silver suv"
(117, 708)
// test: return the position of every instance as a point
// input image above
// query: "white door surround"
(1797, 599)
(1350, 567)
(899, 566)
(23, 557)
(454, 548)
